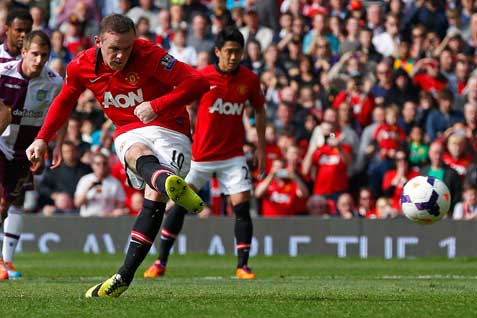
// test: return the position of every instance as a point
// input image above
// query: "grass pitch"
(203, 286)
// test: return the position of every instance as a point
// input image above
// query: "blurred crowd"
(361, 96)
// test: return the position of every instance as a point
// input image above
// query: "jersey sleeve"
(188, 83)
(257, 99)
(63, 103)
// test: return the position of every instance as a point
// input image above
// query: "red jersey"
(396, 196)
(362, 104)
(149, 75)
(460, 165)
(219, 131)
(332, 174)
(389, 137)
(279, 200)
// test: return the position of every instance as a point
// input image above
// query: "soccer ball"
(425, 199)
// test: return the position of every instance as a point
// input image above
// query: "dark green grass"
(203, 286)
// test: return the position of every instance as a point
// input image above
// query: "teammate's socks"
(172, 227)
(243, 232)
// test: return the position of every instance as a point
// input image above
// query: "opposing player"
(27, 88)
(144, 91)
(217, 146)
(17, 26)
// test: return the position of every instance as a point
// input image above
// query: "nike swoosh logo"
(213, 86)
(94, 80)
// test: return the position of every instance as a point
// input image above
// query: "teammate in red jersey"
(217, 147)
(143, 90)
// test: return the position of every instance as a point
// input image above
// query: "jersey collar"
(217, 68)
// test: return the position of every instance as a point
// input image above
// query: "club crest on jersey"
(41, 95)
(132, 78)
(122, 100)
(242, 89)
(226, 108)
(168, 61)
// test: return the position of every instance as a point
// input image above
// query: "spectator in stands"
(404, 89)
(351, 42)
(383, 90)
(331, 162)
(387, 139)
(253, 57)
(99, 193)
(444, 117)
(164, 31)
(62, 181)
(384, 208)
(439, 169)
(386, 43)
(457, 155)
(319, 206)
(58, 50)
(145, 9)
(39, 23)
(199, 37)
(408, 118)
(418, 147)
(362, 103)
(467, 208)
(279, 191)
(427, 77)
(254, 30)
(395, 179)
(75, 39)
(143, 29)
(366, 148)
(345, 206)
(374, 15)
(181, 51)
(366, 204)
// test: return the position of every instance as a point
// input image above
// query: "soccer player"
(17, 26)
(217, 146)
(144, 91)
(27, 88)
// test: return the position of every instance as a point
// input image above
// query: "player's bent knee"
(136, 151)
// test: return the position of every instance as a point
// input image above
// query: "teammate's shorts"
(233, 174)
(172, 148)
(15, 179)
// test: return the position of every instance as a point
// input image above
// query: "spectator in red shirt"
(361, 101)
(279, 191)
(331, 161)
(428, 77)
(367, 203)
(395, 179)
(387, 138)
(457, 155)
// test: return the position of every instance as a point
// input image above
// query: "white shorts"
(233, 174)
(172, 149)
